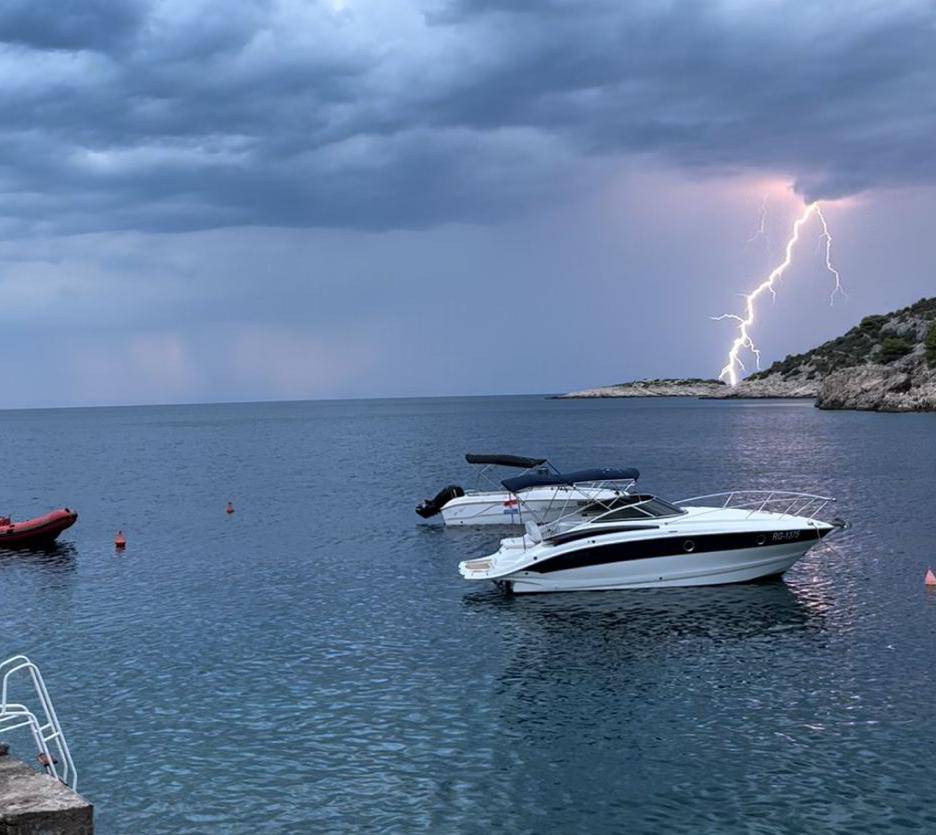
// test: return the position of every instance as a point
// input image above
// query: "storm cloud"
(172, 116)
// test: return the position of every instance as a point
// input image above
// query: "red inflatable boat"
(39, 531)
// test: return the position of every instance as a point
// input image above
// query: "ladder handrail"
(14, 715)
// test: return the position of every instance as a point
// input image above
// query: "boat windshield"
(632, 506)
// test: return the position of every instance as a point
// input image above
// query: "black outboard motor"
(430, 507)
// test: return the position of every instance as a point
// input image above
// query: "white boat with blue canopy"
(639, 540)
(546, 494)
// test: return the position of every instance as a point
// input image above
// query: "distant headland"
(885, 363)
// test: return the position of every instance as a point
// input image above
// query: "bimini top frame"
(518, 461)
(596, 475)
(487, 462)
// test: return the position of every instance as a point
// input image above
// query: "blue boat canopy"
(520, 461)
(527, 480)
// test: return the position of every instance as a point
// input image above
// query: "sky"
(214, 201)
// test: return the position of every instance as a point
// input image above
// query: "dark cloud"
(69, 24)
(176, 116)
(839, 101)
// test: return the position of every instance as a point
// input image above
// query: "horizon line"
(270, 401)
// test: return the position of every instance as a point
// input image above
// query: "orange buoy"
(120, 541)
(229, 508)
(930, 579)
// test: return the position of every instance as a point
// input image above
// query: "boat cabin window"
(622, 513)
(638, 507)
(661, 507)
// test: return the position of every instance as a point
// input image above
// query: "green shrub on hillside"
(893, 348)
(872, 324)
(930, 344)
(858, 345)
(924, 307)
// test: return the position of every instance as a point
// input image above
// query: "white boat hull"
(714, 568)
(700, 547)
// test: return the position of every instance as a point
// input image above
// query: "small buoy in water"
(930, 580)
(120, 541)
(229, 508)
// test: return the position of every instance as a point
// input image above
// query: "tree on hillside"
(930, 345)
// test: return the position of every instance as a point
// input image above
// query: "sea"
(314, 663)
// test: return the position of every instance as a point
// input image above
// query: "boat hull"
(739, 565)
(483, 511)
(43, 530)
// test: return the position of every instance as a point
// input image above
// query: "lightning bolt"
(743, 340)
(761, 231)
(826, 238)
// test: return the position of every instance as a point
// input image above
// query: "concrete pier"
(36, 804)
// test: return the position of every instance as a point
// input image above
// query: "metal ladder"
(55, 760)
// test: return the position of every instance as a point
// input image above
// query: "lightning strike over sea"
(734, 366)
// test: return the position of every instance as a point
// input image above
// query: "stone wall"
(36, 804)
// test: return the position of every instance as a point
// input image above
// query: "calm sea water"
(314, 662)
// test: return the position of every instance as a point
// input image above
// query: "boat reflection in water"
(603, 694)
(611, 645)
(646, 620)
(58, 555)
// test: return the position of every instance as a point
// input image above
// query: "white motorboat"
(640, 540)
(490, 504)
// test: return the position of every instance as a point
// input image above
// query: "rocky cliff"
(884, 363)
(880, 388)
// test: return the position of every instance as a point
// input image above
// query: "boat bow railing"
(784, 502)
(53, 753)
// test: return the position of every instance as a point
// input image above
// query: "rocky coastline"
(880, 388)
(702, 389)
(651, 388)
(886, 363)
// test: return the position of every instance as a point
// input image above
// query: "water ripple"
(315, 663)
